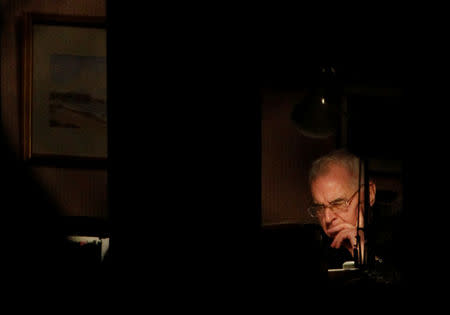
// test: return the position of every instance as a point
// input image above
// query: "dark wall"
(286, 157)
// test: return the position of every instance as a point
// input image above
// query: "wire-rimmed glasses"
(337, 206)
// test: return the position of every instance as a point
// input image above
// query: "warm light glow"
(323, 100)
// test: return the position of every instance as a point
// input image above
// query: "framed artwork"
(64, 88)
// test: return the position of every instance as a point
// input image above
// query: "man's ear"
(372, 192)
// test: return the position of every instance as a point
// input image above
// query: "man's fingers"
(340, 227)
(343, 235)
(337, 240)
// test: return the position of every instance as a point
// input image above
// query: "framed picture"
(64, 88)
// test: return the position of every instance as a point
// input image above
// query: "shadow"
(35, 246)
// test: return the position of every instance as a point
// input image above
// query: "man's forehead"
(328, 185)
(331, 185)
(334, 172)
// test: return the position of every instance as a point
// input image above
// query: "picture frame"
(64, 88)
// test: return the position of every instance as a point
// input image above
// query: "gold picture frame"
(64, 92)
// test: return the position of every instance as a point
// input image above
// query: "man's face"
(334, 186)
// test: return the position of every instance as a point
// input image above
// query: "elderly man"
(337, 191)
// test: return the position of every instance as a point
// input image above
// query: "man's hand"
(343, 234)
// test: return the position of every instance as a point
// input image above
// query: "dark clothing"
(383, 240)
(383, 266)
(334, 257)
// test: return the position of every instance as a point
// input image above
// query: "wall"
(78, 191)
(286, 157)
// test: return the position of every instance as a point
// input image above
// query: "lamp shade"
(317, 115)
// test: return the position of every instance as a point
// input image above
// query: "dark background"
(185, 150)
(198, 144)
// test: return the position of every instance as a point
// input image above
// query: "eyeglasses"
(337, 206)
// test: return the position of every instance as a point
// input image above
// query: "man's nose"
(329, 214)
